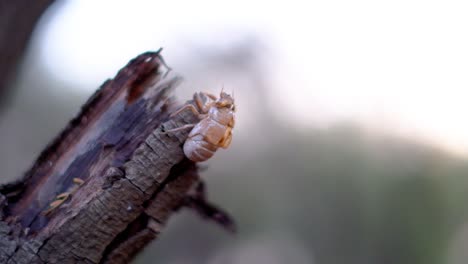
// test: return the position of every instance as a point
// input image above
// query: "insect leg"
(191, 108)
(209, 95)
(199, 102)
(178, 129)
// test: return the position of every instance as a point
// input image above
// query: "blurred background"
(351, 142)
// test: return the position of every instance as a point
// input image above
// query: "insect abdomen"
(198, 150)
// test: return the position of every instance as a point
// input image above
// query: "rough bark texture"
(134, 177)
(17, 21)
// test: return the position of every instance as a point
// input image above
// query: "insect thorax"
(221, 115)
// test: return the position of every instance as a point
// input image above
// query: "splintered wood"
(115, 151)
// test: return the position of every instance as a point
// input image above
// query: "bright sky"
(395, 66)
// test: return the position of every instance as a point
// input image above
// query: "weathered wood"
(134, 176)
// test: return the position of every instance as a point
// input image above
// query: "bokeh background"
(351, 142)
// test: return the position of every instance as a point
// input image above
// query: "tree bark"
(121, 176)
(17, 21)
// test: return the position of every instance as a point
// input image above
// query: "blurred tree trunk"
(18, 19)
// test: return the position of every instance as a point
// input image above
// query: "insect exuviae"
(213, 131)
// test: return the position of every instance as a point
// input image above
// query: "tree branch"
(114, 147)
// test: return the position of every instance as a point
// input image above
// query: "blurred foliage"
(345, 196)
(329, 196)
